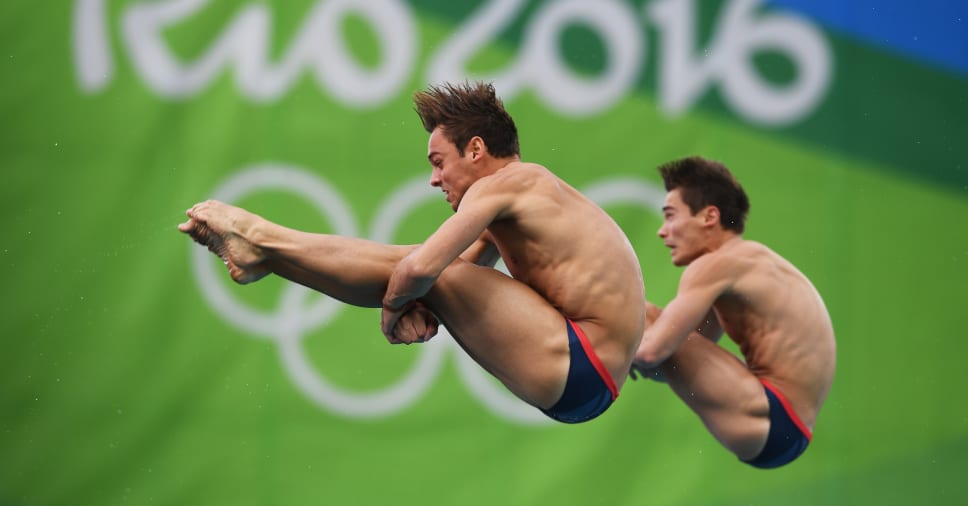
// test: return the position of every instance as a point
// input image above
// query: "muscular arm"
(416, 273)
(417, 324)
(690, 310)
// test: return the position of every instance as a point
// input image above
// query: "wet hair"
(467, 110)
(704, 183)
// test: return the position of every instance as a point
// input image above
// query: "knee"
(457, 271)
(745, 439)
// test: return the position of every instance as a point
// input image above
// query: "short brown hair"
(467, 110)
(702, 183)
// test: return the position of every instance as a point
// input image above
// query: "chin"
(681, 261)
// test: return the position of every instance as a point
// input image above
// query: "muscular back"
(572, 253)
(775, 315)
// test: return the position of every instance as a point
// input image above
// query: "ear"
(476, 147)
(710, 216)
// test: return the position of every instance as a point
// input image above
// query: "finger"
(390, 319)
(412, 324)
(384, 319)
(413, 330)
(404, 333)
(430, 323)
(430, 332)
(419, 332)
(415, 327)
(198, 209)
(393, 338)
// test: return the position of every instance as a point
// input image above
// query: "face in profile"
(451, 172)
(681, 231)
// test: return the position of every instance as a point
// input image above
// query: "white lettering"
(561, 87)
(726, 63)
(683, 78)
(92, 52)
(539, 64)
(449, 62)
(245, 43)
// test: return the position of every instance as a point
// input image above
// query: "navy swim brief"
(788, 436)
(590, 389)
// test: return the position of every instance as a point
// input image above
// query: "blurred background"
(134, 372)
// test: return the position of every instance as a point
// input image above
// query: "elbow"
(649, 357)
(651, 361)
(420, 273)
(414, 267)
(415, 278)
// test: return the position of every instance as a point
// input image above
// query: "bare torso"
(574, 255)
(776, 316)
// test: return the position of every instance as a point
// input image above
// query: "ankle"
(256, 232)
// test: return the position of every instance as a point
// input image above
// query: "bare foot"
(221, 227)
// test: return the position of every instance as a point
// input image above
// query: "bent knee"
(744, 436)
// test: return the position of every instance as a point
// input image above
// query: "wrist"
(395, 305)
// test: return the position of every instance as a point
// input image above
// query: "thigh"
(506, 327)
(719, 388)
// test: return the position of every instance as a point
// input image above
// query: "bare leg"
(352, 270)
(503, 324)
(507, 328)
(719, 388)
(349, 269)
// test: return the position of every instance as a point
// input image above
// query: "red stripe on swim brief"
(789, 409)
(593, 358)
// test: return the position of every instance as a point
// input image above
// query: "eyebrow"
(431, 154)
(668, 208)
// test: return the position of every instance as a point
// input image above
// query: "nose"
(435, 178)
(662, 232)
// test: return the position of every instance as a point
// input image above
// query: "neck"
(500, 163)
(720, 238)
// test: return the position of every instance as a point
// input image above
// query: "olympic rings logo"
(296, 317)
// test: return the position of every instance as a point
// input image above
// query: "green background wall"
(124, 379)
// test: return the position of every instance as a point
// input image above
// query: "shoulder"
(722, 266)
(514, 178)
(521, 173)
(524, 169)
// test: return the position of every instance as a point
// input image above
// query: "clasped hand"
(410, 323)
